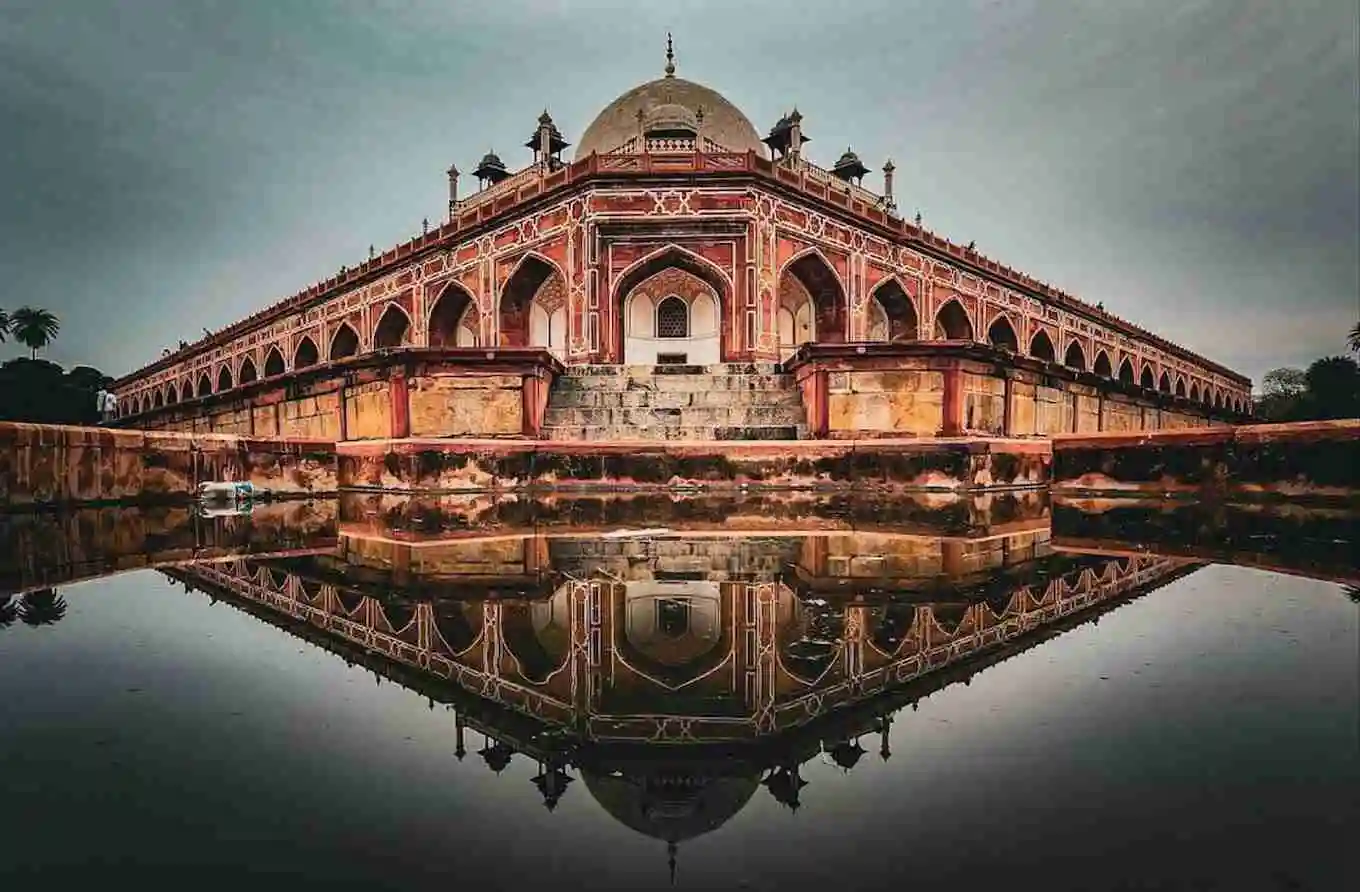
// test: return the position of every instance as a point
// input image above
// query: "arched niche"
(1102, 365)
(454, 320)
(273, 363)
(157, 400)
(1194, 392)
(247, 373)
(1146, 381)
(796, 317)
(672, 314)
(1126, 371)
(1164, 383)
(819, 281)
(892, 314)
(223, 379)
(1001, 334)
(204, 385)
(671, 272)
(171, 394)
(344, 343)
(1041, 347)
(1180, 387)
(534, 291)
(393, 329)
(952, 323)
(306, 353)
(1075, 358)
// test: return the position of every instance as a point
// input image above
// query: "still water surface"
(741, 695)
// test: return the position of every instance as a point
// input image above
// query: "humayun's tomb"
(678, 277)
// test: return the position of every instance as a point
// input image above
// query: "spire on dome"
(670, 56)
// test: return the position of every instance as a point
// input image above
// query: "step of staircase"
(726, 401)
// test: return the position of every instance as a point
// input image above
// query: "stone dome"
(724, 123)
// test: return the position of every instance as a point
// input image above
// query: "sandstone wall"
(466, 406)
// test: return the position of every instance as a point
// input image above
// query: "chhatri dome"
(670, 106)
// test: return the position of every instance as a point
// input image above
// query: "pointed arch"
(273, 363)
(306, 353)
(531, 273)
(1146, 380)
(823, 284)
(952, 322)
(898, 309)
(247, 372)
(224, 379)
(393, 329)
(1102, 365)
(1164, 384)
(345, 342)
(204, 385)
(453, 319)
(671, 256)
(1218, 399)
(1041, 347)
(1075, 357)
(171, 394)
(1001, 334)
(1180, 386)
(157, 399)
(1194, 391)
(1126, 371)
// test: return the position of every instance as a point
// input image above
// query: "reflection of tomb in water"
(679, 674)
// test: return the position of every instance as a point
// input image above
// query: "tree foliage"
(40, 391)
(34, 328)
(1329, 388)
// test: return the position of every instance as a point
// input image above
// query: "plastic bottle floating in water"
(228, 491)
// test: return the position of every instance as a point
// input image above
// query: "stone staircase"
(728, 401)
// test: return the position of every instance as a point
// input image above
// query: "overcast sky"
(167, 165)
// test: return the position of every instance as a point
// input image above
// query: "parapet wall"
(43, 464)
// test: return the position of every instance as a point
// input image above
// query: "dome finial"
(670, 56)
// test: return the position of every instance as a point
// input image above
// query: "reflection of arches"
(810, 637)
(1164, 385)
(1001, 335)
(674, 633)
(459, 623)
(171, 394)
(890, 626)
(671, 270)
(273, 363)
(223, 379)
(952, 323)
(1075, 357)
(1147, 381)
(540, 648)
(1126, 371)
(204, 384)
(305, 354)
(817, 276)
(454, 319)
(1041, 347)
(247, 373)
(394, 329)
(1102, 365)
(1180, 386)
(345, 342)
(892, 314)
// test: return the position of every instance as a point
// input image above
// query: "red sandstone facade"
(778, 252)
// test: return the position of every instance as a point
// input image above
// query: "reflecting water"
(772, 691)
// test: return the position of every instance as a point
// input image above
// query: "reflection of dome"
(670, 805)
(660, 99)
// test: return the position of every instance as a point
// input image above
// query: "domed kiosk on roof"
(671, 106)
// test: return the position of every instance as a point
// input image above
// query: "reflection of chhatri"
(680, 674)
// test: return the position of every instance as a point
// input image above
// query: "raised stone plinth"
(495, 465)
(1314, 458)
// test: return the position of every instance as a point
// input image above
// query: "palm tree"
(4, 325)
(1354, 338)
(34, 328)
(42, 607)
